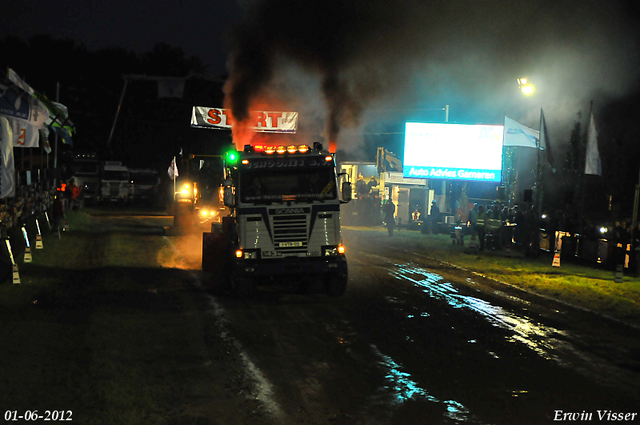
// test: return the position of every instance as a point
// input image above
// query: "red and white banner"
(263, 121)
(24, 135)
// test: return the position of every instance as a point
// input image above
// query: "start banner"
(262, 121)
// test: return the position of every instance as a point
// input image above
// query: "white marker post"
(16, 275)
(39, 244)
(27, 251)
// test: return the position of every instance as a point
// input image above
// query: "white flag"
(44, 136)
(25, 135)
(516, 134)
(592, 164)
(173, 169)
(7, 168)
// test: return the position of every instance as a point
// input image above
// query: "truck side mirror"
(346, 191)
(228, 195)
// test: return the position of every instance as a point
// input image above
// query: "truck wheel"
(242, 286)
(335, 285)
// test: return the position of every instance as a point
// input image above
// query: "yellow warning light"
(341, 249)
(239, 253)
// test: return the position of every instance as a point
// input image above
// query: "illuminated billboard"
(453, 152)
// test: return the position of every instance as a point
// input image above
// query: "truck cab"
(284, 220)
(115, 182)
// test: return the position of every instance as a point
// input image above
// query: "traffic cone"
(556, 259)
(27, 255)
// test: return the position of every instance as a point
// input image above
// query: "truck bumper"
(292, 266)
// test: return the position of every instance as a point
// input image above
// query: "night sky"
(358, 58)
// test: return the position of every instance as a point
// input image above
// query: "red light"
(258, 148)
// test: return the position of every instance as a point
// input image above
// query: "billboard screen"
(453, 152)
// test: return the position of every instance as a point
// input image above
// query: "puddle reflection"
(403, 388)
(534, 335)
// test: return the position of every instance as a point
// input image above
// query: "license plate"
(289, 244)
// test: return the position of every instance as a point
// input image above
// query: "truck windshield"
(303, 185)
(115, 175)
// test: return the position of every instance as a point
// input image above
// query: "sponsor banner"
(7, 168)
(260, 121)
(24, 135)
(450, 173)
(19, 104)
(398, 178)
(13, 76)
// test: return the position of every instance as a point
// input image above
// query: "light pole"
(527, 89)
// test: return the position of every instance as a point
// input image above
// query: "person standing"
(434, 216)
(389, 210)
(480, 223)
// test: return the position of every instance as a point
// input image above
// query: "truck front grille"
(290, 233)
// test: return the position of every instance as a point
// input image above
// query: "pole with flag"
(173, 174)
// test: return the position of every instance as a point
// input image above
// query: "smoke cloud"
(348, 64)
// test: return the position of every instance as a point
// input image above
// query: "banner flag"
(171, 87)
(592, 164)
(24, 135)
(64, 133)
(7, 167)
(260, 121)
(173, 169)
(516, 134)
(44, 136)
(19, 104)
(544, 140)
(13, 76)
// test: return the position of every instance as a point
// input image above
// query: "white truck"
(115, 184)
(284, 220)
(86, 174)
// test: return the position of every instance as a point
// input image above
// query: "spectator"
(58, 214)
(372, 183)
(389, 210)
(480, 223)
(434, 216)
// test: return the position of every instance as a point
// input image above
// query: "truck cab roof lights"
(258, 148)
(303, 148)
(280, 150)
(269, 150)
(292, 149)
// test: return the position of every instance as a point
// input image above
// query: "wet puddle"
(538, 337)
